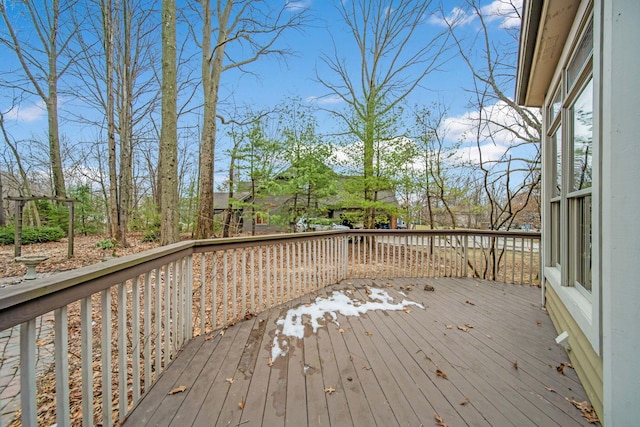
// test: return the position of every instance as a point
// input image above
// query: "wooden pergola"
(19, 210)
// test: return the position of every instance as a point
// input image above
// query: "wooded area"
(136, 107)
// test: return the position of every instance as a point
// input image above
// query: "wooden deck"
(387, 368)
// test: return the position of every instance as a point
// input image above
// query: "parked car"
(317, 224)
(401, 225)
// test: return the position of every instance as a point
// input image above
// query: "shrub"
(6, 235)
(32, 235)
(108, 243)
(151, 235)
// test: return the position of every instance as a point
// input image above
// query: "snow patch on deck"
(317, 314)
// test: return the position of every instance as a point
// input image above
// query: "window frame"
(584, 306)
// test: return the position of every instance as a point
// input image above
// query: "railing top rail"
(28, 300)
(454, 232)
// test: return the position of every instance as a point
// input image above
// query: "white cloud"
(503, 10)
(494, 135)
(457, 17)
(324, 100)
(28, 114)
(294, 6)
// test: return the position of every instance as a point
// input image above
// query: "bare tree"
(393, 59)
(116, 55)
(24, 185)
(499, 119)
(235, 33)
(42, 52)
(169, 132)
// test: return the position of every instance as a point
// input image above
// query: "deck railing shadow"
(113, 328)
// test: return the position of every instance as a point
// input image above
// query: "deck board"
(383, 365)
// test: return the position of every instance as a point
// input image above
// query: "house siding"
(586, 362)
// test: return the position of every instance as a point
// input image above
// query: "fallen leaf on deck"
(368, 333)
(407, 310)
(389, 285)
(209, 337)
(365, 367)
(341, 330)
(329, 390)
(229, 380)
(441, 374)
(489, 336)
(470, 302)
(468, 325)
(560, 368)
(221, 333)
(429, 288)
(463, 328)
(241, 404)
(439, 421)
(178, 389)
(270, 362)
(349, 283)
(449, 326)
(587, 410)
(539, 323)
(550, 389)
(464, 401)
(515, 364)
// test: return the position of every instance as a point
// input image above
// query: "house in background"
(279, 212)
(580, 62)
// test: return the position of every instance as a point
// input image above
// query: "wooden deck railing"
(117, 325)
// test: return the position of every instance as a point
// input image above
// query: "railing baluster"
(513, 260)
(252, 263)
(28, 373)
(214, 292)
(105, 350)
(203, 291)
(86, 363)
(282, 281)
(167, 315)
(157, 325)
(189, 297)
(268, 263)
(135, 341)
(225, 288)
(234, 290)
(175, 304)
(61, 346)
(122, 351)
(289, 271)
(376, 242)
(531, 260)
(147, 331)
(260, 248)
(244, 281)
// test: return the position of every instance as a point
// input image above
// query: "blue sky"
(272, 81)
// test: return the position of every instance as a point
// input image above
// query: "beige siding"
(587, 363)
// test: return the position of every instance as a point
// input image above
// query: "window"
(570, 147)
(579, 196)
(262, 218)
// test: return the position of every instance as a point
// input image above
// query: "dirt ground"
(85, 253)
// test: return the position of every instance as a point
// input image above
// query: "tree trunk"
(168, 133)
